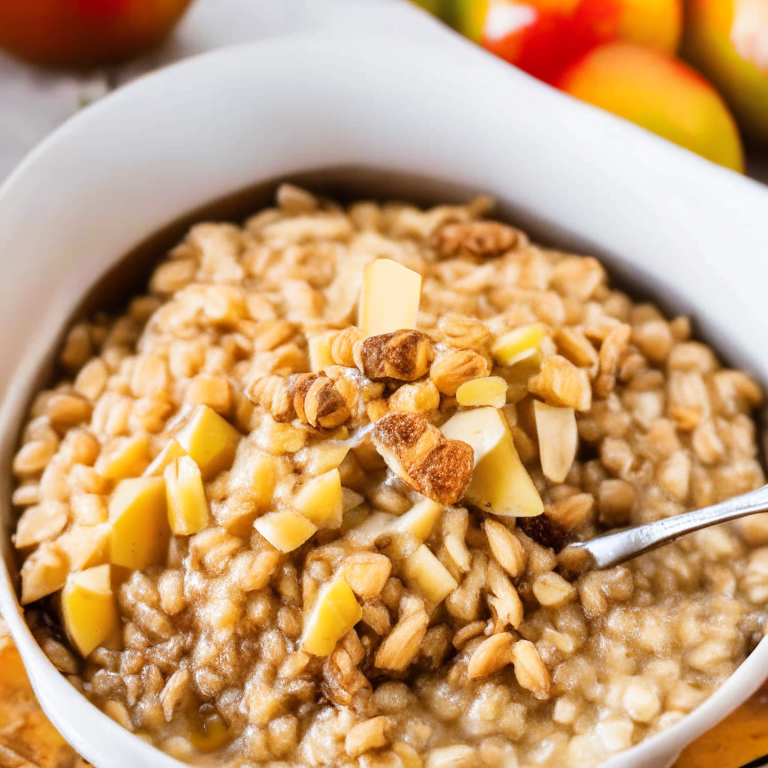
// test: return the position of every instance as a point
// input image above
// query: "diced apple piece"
(287, 530)
(420, 519)
(500, 483)
(210, 440)
(490, 390)
(188, 510)
(89, 608)
(333, 614)
(558, 439)
(321, 501)
(389, 298)
(139, 519)
(426, 574)
(320, 356)
(324, 456)
(517, 344)
(170, 452)
(127, 458)
(86, 546)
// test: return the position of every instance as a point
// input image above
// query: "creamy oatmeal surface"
(257, 534)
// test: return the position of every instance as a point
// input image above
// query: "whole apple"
(84, 33)
(660, 93)
(544, 37)
(727, 40)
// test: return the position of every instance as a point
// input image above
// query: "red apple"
(543, 37)
(727, 40)
(84, 33)
(660, 93)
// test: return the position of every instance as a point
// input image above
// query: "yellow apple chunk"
(334, 613)
(89, 608)
(490, 390)
(128, 459)
(188, 510)
(319, 346)
(500, 483)
(287, 530)
(139, 523)
(170, 452)
(210, 440)
(85, 545)
(419, 521)
(327, 455)
(426, 574)
(517, 344)
(558, 439)
(389, 298)
(321, 500)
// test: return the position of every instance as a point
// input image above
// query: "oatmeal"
(301, 505)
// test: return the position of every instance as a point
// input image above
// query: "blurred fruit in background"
(85, 33)
(727, 40)
(543, 37)
(660, 93)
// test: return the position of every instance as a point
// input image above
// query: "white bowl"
(439, 122)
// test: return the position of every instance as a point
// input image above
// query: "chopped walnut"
(476, 238)
(400, 356)
(419, 453)
(313, 399)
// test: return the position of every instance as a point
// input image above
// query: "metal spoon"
(619, 546)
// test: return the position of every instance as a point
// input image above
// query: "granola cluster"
(319, 545)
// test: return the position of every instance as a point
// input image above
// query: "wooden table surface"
(28, 740)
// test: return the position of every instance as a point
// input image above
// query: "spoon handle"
(614, 548)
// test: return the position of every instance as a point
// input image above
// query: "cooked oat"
(323, 594)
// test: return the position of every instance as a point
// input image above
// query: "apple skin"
(84, 33)
(659, 93)
(711, 28)
(543, 37)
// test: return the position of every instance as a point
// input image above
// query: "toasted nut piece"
(490, 390)
(319, 403)
(401, 646)
(558, 439)
(491, 655)
(455, 367)
(273, 392)
(343, 344)
(419, 397)
(476, 238)
(423, 457)
(530, 670)
(370, 734)
(367, 573)
(400, 356)
(506, 548)
(562, 383)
